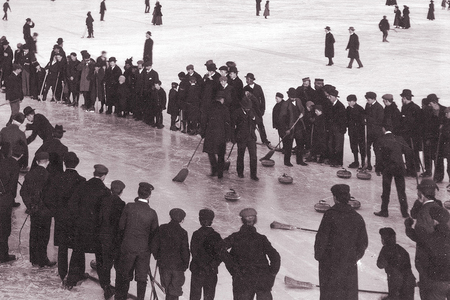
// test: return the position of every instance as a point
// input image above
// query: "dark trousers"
(5, 16)
(401, 285)
(371, 139)
(243, 291)
(39, 237)
(77, 267)
(159, 117)
(358, 145)
(90, 30)
(400, 185)
(357, 60)
(147, 9)
(287, 147)
(217, 161)
(63, 261)
(205, 282)
(336, 146)
(262, 130)
(74, 90)
(251, 146)
(102, 15)
(385, 35)
(87, 99)
(5, 231)
(429, 153)
(139, 263)
(412, 159)
(172, 281)
(105, 261)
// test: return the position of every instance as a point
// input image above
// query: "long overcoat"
(353, 46)
(329, 45)
(215, 127)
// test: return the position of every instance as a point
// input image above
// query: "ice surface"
(280, 51)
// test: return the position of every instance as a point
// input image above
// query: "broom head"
(181, 176)
(292, 283)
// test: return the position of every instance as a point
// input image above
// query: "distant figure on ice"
(398, 17)
(329, 45)
(5, 10)
(147, 6)
(27, 30)
(148, 48)
(384, 27)
(157, 14)
(258, 7)
(102, 10)
(430, 15)
(391, 2)
(340, 242)
(90, 25)
(353, 48)
(406, 20)
(266, 10)
(444, 2)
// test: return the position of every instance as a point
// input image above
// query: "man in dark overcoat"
(112, 75)
(11, 136)
(355, 124)
(353, 49)
(252, 261)
(258, 7)
(85, 205)
(32, 192)
(236, 82)
(389, 162)
(374, 115)
(305, 92)
(138, 224)
(61, 188)
(292, 112)
(340, 242)
(215, 129)
(14, 92)
(73, 78)
(259, 107)
(150, 76)
(232, 101)
(148, 48)
(102, 10)
(243, 126)
(9, 176)
(329, 45)
(392, 116)
(384, 28)
(337, 126)
(27, 31)
(209, 87)
(56, 150)
(205, 258)
(434, 117)
(411, 130)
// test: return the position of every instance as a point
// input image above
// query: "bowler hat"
(247, 212)
(406, 93)
(351, 97)
(328, 28)
(101, 169)
(351, 28)
(388, 97)
(58, 130)
(292, 93)
(341, 192)
(370, 95)
(432, 98)
(333, 92)
(279, 95)
(59, 41)
(19, 117)
(427, 187)
(206, 215)
(211, 67)
(117, 186)
(231, 64)
(223, 68)
(112, 58)
(177, 214)
(250, 76)
(148, 32)
(41, 156)
(28, 110)
(209, 62)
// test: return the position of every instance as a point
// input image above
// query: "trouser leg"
(63, 261)
(287, 146)
(251, 145)
(387, 180)
(240, 158)
(221, 159)
(77, 267)
(213, 162)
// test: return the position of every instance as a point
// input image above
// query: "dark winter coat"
(238, 86)
(398, 17)
(149, 79)
(252, 259)
(392, 118)
(170, 247)
(243, 125)
(123, 96)
(14, 88)
(148, 50)
(411, 122)
(9, 176)
(231, 99)
(276, 115)
(33, 189)
(353, 46)
(259, 94)
(40, 127)
(73, 74)
(28, 62)
(97, 84)
(389, 150)
(355, 121)
(56, 151)
(445, 139)
(329, 45)
(205, 258)
(159, 98)
(110, 213)
(305, 94)
(27, 31)
(340, 242)
(60, 190)
(384, 25)
(432, 120)
(7, 60)
(374, 115)
(89, 21)
(209, 87)
(102, 7)
(138, 224)
(319, 142)
(112, 83)
(84, 206)
(337, 118)
(192, 103)
(10, 136)
(215, 127)
(173, 107)
(406, 19)
(438, 250)
(289, 113)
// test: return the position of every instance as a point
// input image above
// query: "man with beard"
(305, 91)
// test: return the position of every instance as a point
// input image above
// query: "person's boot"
(141, 287)
(354, 165)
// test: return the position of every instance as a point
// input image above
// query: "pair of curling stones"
(323, 206)
(362, 174)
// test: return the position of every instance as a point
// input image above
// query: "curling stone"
(268, 162)
(363, 175)
(232, 196)
(344, 173)
(447, 204)
(93, 264)
(322, 206)
(355, 204)
(285, 179)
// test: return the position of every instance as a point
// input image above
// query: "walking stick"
(43, 84)
(226, 167)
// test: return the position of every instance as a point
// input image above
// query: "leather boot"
(141, 287)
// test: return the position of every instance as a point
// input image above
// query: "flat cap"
(206, 214)
(279, 95)
(247, 212)
(306, 79)
(427, 187)
(388, 97)
(223, 68)
(189, 67)
(117, 186)
(41, 156)
(318, 80)
(101, 169)
(146, 187)
(177, 214)
(351, 97)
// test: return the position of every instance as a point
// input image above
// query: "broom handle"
(293, 125)
(229, 154)
(194, 152)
